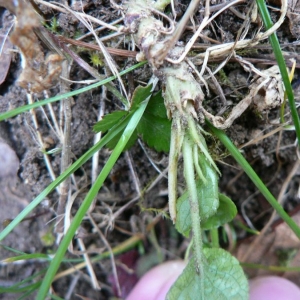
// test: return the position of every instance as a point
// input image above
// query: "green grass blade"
(55, 297)
(22, 289)
(282, 66)
(26, 257)
(24, 108)
(79, 162)
(254, 177)
(54, 265)
(12, 250)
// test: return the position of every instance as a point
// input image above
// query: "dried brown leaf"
(38, 73)
(267, 252)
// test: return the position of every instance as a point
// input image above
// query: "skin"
(273, 288)
(155, 284)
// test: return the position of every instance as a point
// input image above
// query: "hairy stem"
(214, 238)
(189, 174)
(175, 148)
(197, 139)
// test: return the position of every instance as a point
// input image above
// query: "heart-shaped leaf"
(225, 213)
(222, 279)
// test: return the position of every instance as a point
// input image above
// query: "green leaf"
(112, 144)
(109, 121)
(225, 213)
(223, 279)
(154, 127)
(207, 196)
(155, 132)
(139, 95)
(156, 106)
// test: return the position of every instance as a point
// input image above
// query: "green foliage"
(114, 141)
(140, 94)
(223, 278)
(224, 214)
(54, 25)
(48, 239)
(154, 127)
(96, 59)
(210, 218)
(208, 199)
(109, 120)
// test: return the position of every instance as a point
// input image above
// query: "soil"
(24, 174)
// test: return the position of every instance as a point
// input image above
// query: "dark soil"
(25, 174)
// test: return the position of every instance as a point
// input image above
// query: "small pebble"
(9, 162)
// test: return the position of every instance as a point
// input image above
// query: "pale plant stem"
(154, 164)
(181, 26)
(135, 177)
(101, 29)
(68, 214)
(72, 285)
(95, 161)
(122, 247)
(112, 257)
(65, 10)
(175, 148)
(57, 130)
(84, 19)
(204, 23)
(66, 147)
(195, 136)
(196, 163)
(57, 134)
(97, 137)
(40, 141)
(89, 265)
(214, 238)
(189, 174)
